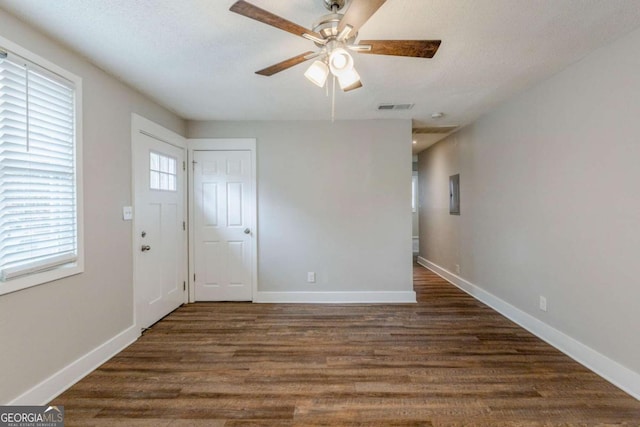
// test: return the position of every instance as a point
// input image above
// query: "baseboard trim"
(382, 297)
(618, 375)
(50, 388)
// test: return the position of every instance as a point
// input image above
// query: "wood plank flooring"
(446, 361)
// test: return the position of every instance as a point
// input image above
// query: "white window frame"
(76, 267)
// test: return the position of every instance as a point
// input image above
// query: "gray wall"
(44, 328)
(550, 201)
(415, 220)
(334, 198)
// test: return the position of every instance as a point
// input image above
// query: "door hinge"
(184, 286)
(194, 277)
(184, 166)
(193, 163)
(184, 225)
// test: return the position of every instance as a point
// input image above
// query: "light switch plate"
(127, 213)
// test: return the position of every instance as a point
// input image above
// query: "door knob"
(247, 231)
(145, 248)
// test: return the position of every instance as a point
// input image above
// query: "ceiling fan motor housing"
(327, 27)
(331, 4)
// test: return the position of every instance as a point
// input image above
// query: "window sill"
(20, 283)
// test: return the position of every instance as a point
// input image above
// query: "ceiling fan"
(335, 35)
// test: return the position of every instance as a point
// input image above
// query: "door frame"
(223, 144)
(143, 126)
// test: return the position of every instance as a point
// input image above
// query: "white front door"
(224, 200)
(159, 237)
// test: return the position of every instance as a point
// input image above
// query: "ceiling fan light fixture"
(349, 79)
(340, 61)
(317, 73)
(354, 86)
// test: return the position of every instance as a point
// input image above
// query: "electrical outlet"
(311, 277)
(543, 303)
(457, 268)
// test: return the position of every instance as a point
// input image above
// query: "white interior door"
(223, 208)
(160, 248)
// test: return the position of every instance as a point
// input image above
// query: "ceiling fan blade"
(254, 12)
(288, 63)
(413, 48)
(359, 12)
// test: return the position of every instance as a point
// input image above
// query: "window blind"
(38, 214)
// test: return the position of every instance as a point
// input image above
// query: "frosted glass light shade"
(317, 73)
(340, 62)
(349, 79)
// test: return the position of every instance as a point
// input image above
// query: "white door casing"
(223, 224)
(159, 235)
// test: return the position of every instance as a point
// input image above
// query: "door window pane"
(162, 172)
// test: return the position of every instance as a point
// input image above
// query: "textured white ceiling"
(198, 59)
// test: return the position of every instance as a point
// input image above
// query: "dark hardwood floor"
(446, 361)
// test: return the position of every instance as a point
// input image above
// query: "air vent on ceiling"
(395, 106)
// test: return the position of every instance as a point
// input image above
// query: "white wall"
(45, 328)
(550, 202)
(334, 198)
